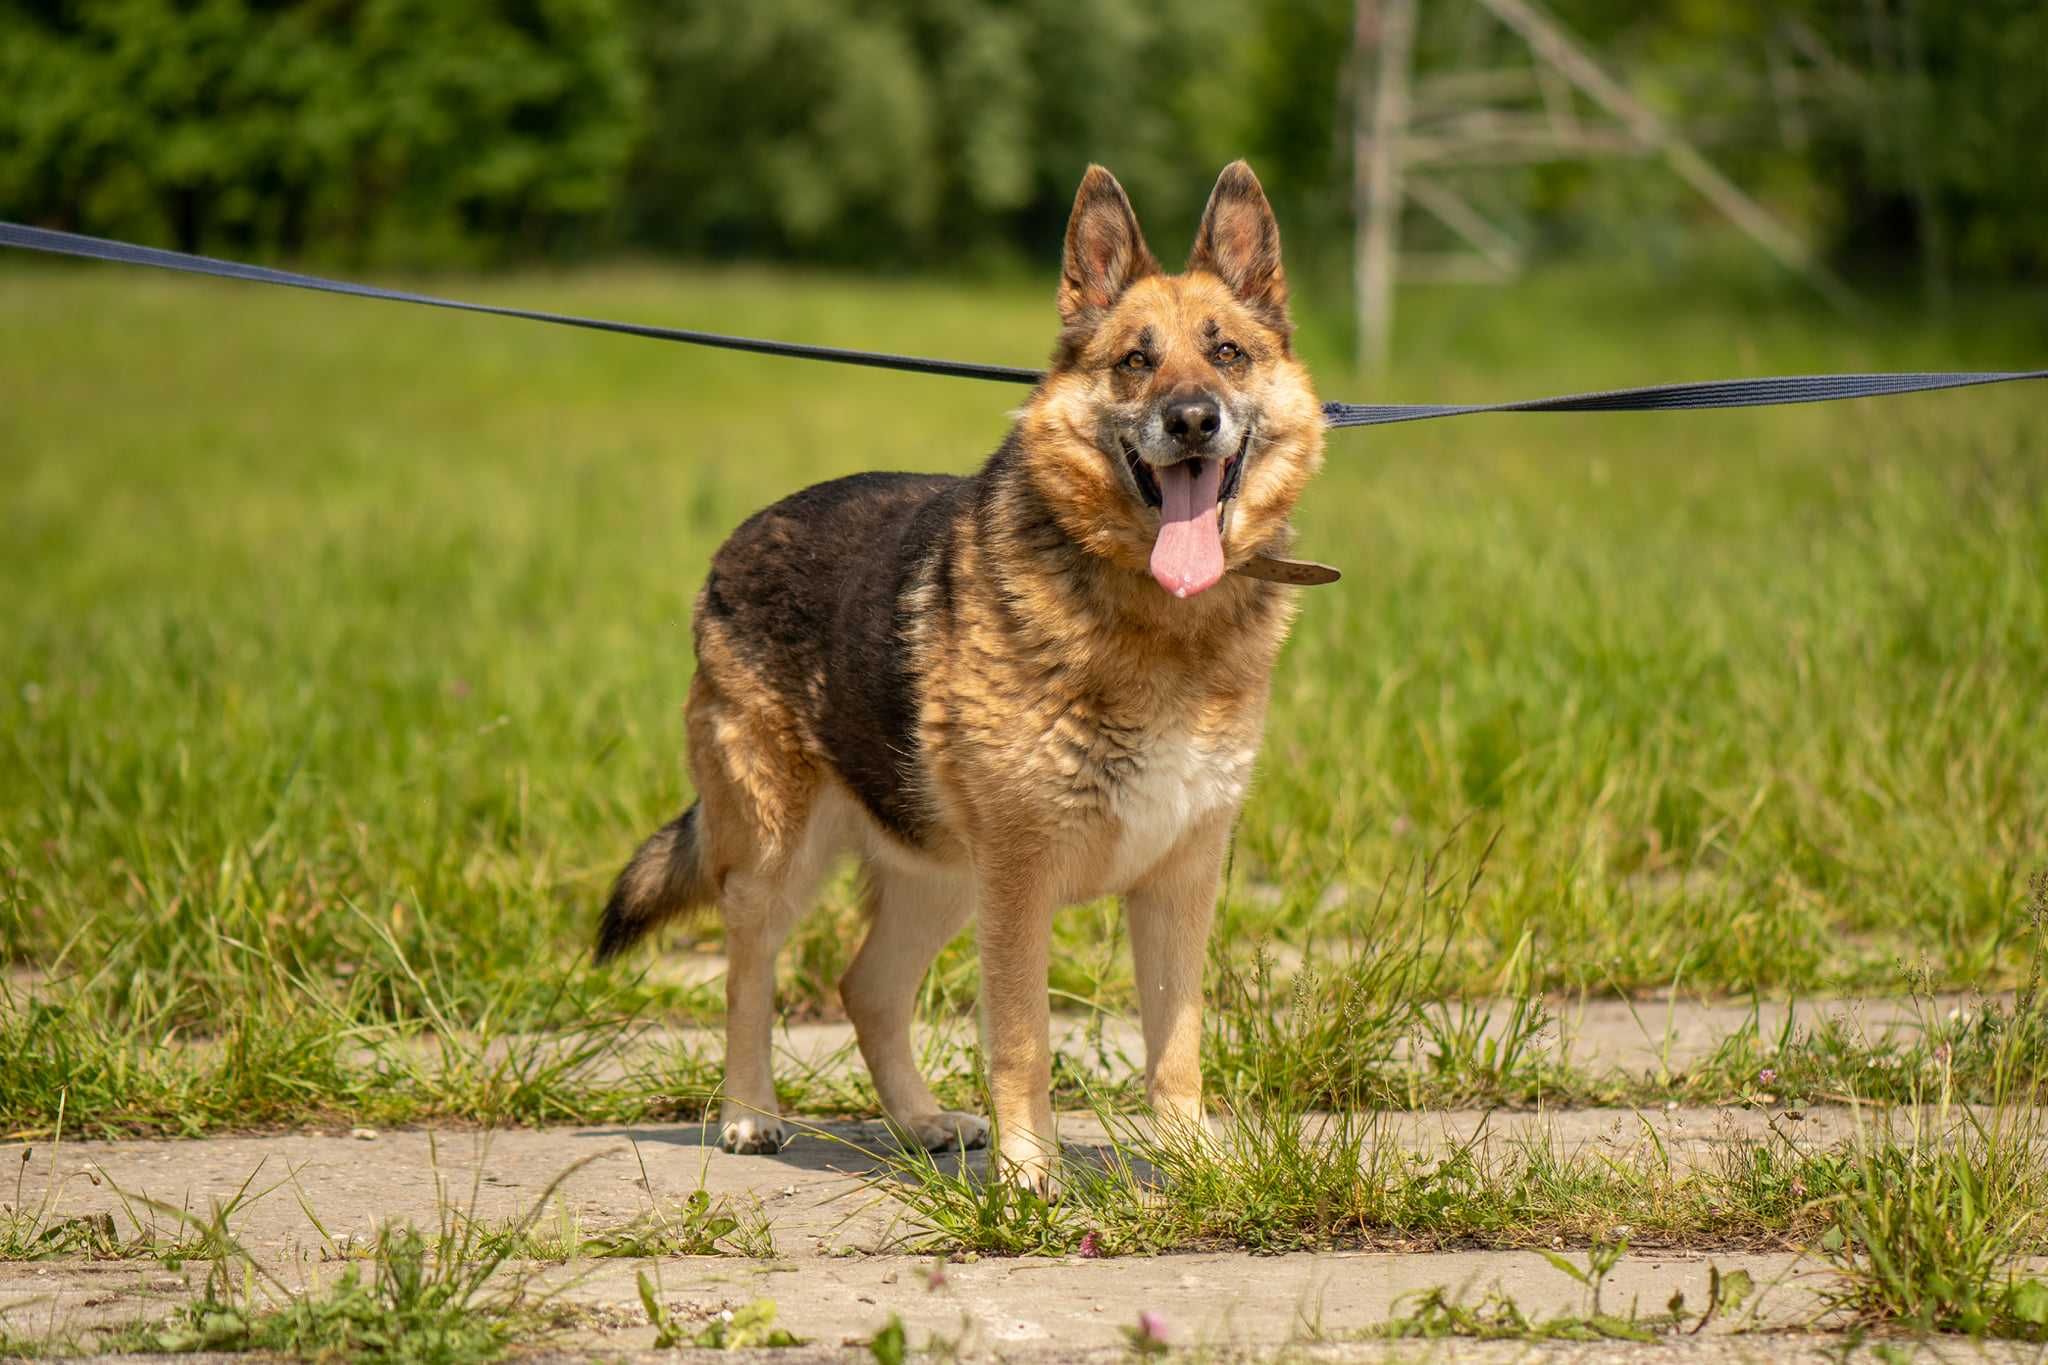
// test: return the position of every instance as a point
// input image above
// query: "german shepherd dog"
(1009, 692)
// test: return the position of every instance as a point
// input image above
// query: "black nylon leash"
(126, 253)
(1720, 393)
(1710, 393)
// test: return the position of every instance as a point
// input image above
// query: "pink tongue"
(1188, 556)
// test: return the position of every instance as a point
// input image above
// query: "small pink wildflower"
(1148, 1338)
(1090, 1246)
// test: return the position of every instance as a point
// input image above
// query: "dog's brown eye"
(1136, 360)
(1227, 352)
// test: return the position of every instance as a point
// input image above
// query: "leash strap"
(1712, 393)
(125, 253)
(1721, 393)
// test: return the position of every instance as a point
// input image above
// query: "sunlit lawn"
(345, 647)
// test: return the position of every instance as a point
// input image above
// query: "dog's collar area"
(1299, 573)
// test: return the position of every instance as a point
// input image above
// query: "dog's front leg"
(1013, 910)
(1169, 913)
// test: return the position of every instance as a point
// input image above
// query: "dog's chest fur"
(1059, 728)
(1103, 781)
(1173, 782)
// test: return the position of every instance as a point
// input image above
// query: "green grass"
(408, 1303)
(345, 649)
(1927, 1233)
(1931, 1208)
(1273, 1182)
(1439, 1314)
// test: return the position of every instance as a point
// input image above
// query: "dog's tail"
(664, 879)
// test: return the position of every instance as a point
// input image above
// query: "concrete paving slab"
(1651, 1037)
(1764, 1348)
(307, 1199)
(841, 1267)
(818, 1194)
(1017, 1308)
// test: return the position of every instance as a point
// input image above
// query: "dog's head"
(1176, 429)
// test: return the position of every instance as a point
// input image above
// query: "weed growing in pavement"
(53, 1342)
(1376, 1024)
(1980, 1051)
(890, 1345)
(1928, 1240)
(1269, 1179)
(669, 1331)
(416, 1303)
(1374, 1028)
(950, 1208)
(696, 1225)
(1927, 1233)
(1437, 1314)
(1272, 1177)
(40, 1233)
(750, 1327)
(461, 1291)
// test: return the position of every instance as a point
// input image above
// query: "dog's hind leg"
(767, 838)
(913, 914)
(759, 913)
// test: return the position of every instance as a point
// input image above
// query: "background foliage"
(383, 130)
(913, 131)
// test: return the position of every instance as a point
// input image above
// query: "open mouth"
(1191, 495)
(1148, 482)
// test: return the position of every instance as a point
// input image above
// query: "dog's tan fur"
(1073, 729)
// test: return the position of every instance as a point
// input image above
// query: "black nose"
(1192, 421)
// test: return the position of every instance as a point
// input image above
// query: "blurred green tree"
(1944, 140)
(427, 130)
(898, 132)
(902, 132)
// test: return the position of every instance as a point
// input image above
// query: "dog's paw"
(753, 1135)
(945, 1130)
(1183, 1127)
(1033, 1172)
(1037, 1178)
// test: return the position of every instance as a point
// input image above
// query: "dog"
(1009, 692)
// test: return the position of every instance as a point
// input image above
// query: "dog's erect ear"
(1239, 241)
(1106, 254)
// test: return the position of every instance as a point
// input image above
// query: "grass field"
(346, 645)
(345, 653)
